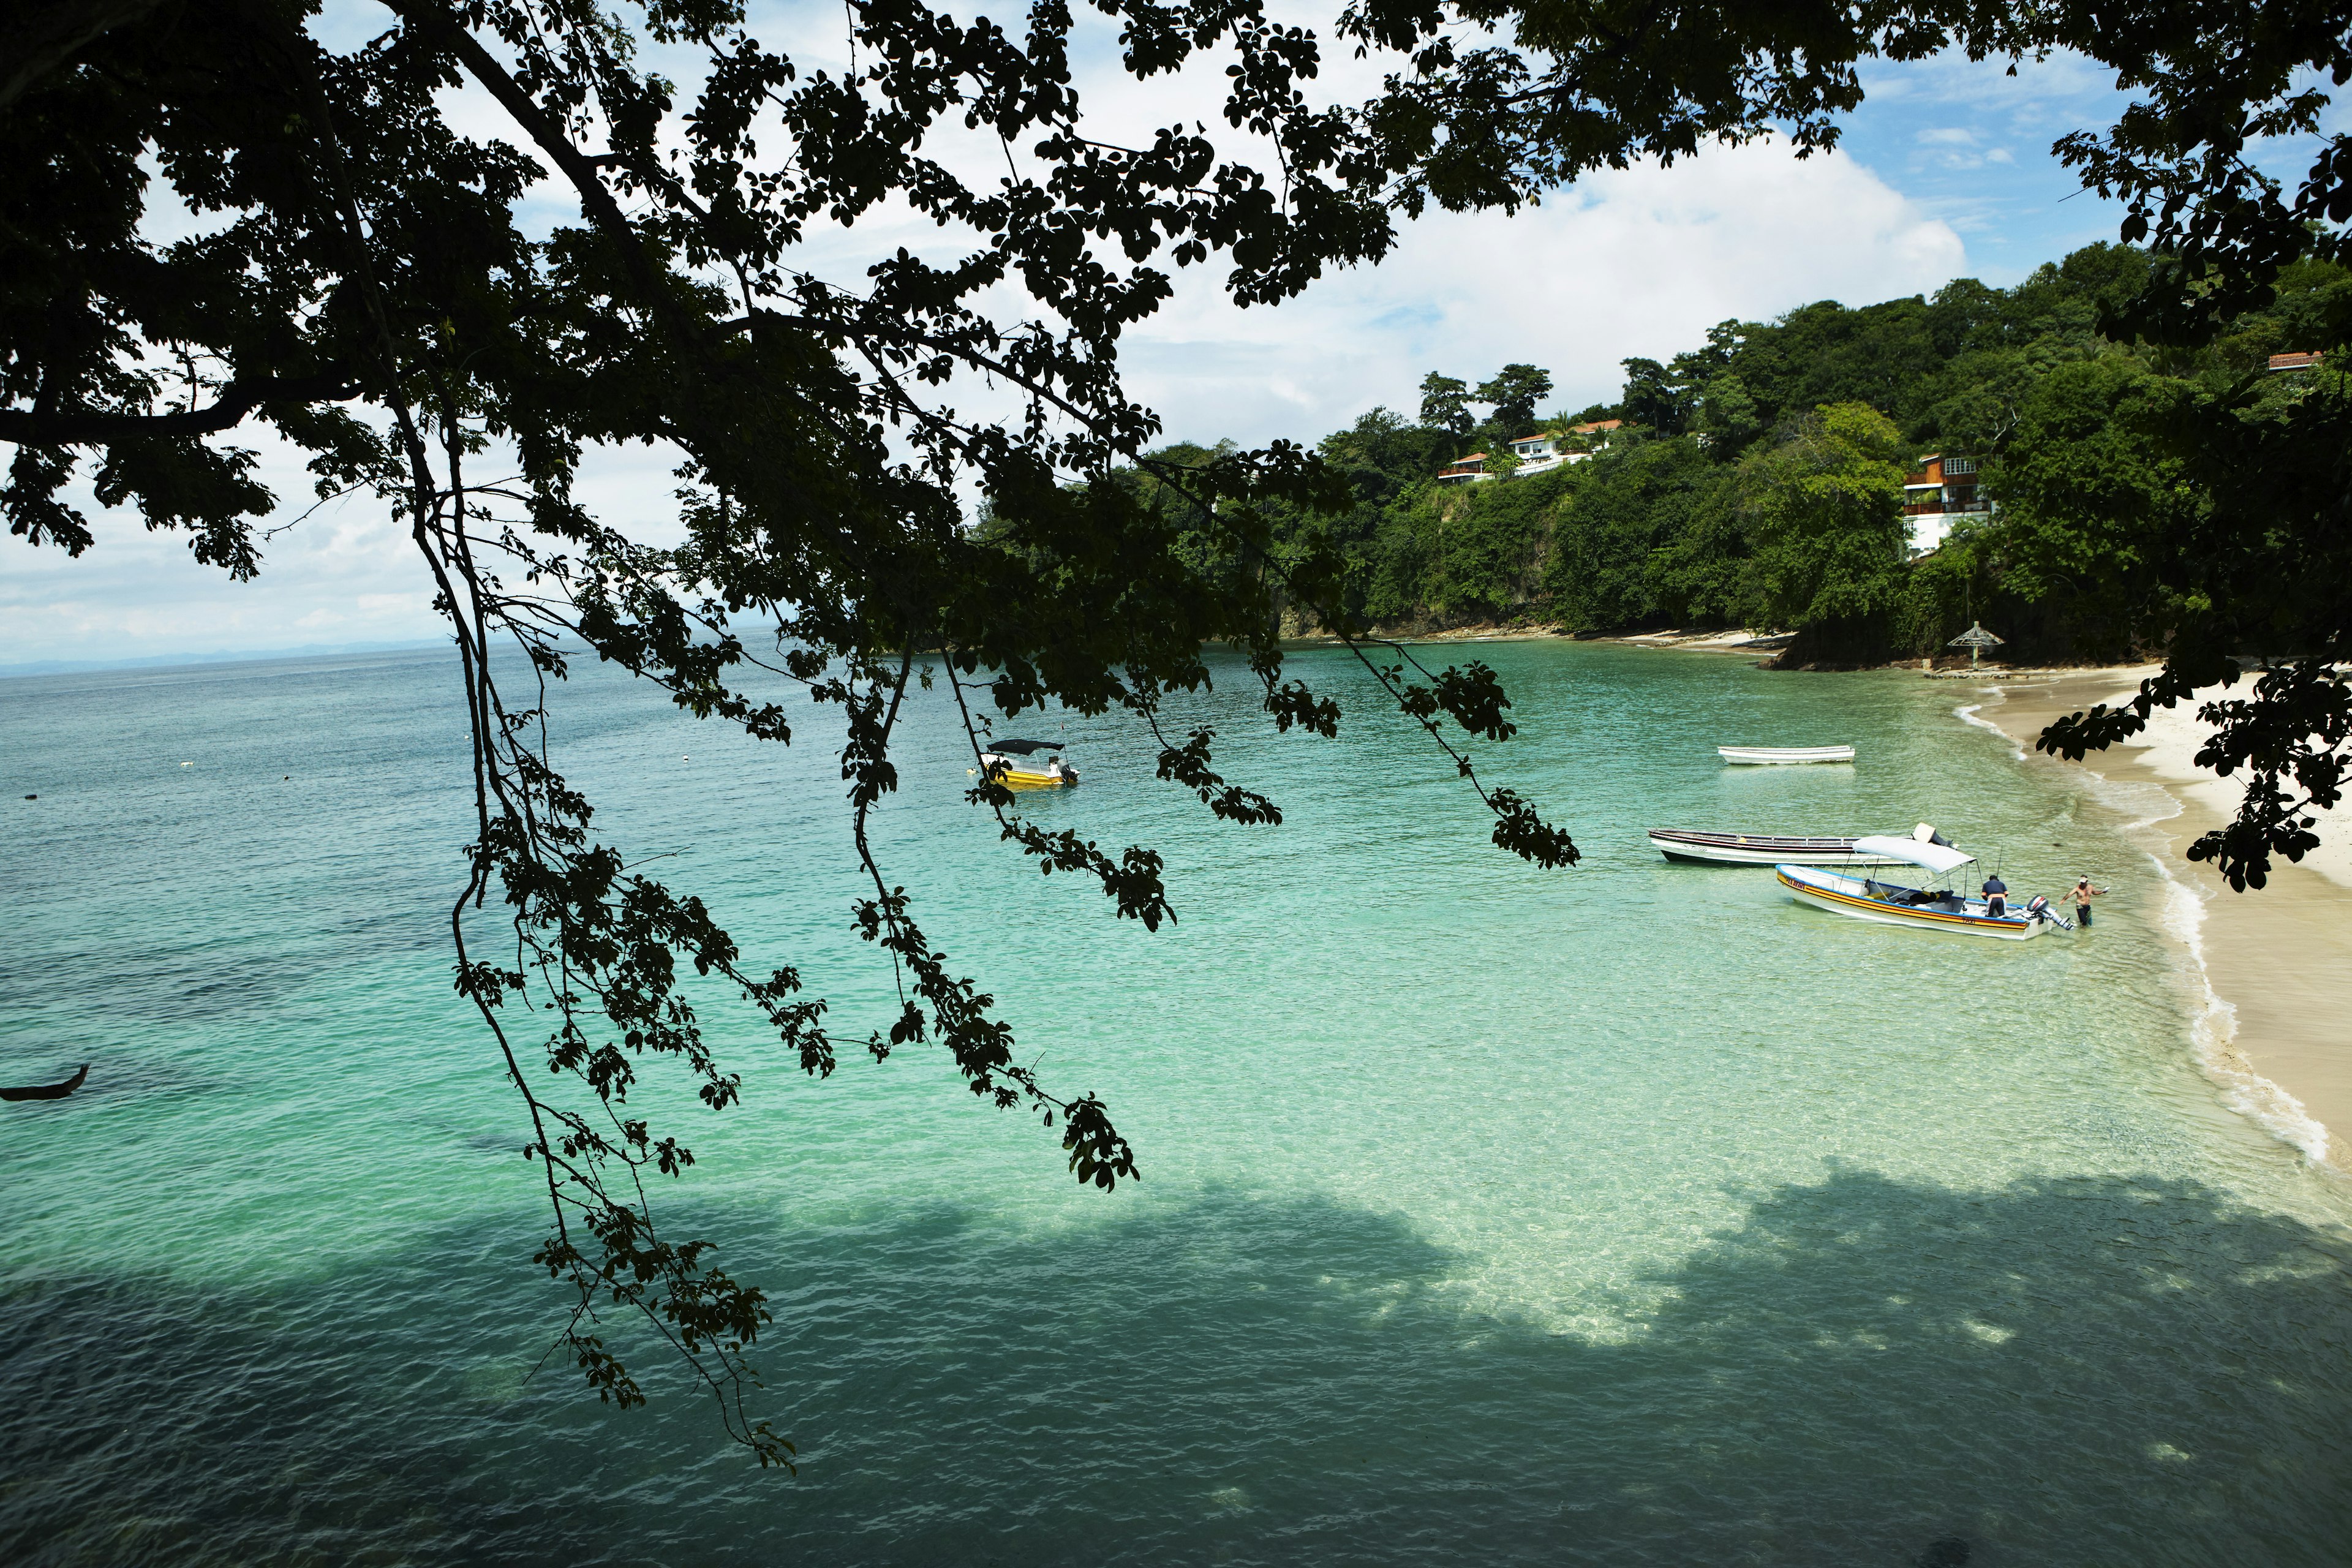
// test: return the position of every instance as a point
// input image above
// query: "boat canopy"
(1022, 748)
(1937, 858)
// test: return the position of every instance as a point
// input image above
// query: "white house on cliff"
(1537, 453)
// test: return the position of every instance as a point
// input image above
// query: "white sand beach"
(2279, 960)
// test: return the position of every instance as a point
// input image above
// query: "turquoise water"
(1630, 1215)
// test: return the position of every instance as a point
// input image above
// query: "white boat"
(1694, 848)
(1921, 908)
(1015, 765)
(1783, 755)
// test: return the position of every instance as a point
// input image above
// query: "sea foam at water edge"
(2214, 1024)
(2213, 1028)
(1967, 713)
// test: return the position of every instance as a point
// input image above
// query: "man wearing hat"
(2084, 894)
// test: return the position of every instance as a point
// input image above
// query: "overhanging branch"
(237, 399)
(38, 40)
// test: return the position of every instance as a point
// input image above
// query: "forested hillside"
(1757, 479)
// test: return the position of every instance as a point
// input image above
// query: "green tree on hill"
(1514, 392)
(1460, 551)
(1625, 507)
(2087, 492)
(1381, 454)
(1824, 509)
(1446, 404)
(1654, 396)
(1728, 412)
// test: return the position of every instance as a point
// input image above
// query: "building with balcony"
(1542, 455)
(1537, 454)
(1940, 492)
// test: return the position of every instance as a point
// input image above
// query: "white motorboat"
(1784, 756)
(1014, 764)
(1930, 907)
(1694, 848)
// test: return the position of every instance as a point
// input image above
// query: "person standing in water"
(1996, 893)
(2084, 894)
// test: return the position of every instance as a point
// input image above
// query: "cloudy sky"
(1946, 172)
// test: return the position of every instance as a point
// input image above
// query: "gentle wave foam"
(1967, 713)
(2214, 1025)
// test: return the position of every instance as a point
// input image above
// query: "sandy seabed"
(2276, 1030)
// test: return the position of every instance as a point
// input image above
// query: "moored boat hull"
(47, 1091)
(1784, 756)
(1695, 849)
(1846, 896)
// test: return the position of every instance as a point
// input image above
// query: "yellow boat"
(1015, 765)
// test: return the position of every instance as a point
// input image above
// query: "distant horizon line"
(232, 655)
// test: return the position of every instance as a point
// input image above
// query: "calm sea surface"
(1630, 1215)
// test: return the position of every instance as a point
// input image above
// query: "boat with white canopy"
(1931, 908)
(1015, 764)
(1784, 756)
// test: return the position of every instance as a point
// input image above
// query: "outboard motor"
(2037, 908)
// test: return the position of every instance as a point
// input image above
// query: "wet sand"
(2279, 960)
(1735, 641)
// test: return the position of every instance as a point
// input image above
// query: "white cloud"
(347, 572)
(1637, 262)
(2051, 95)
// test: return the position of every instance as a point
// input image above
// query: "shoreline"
(2274, 1031)
(1543, 631)
(1735, 641)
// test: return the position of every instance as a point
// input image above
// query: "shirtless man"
(2084, 894)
